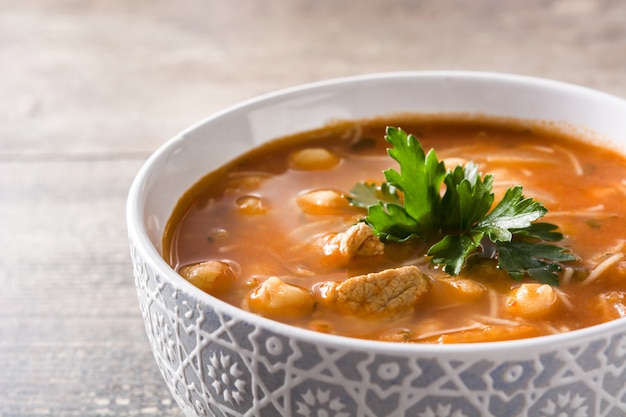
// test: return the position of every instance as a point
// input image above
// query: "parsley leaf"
(539, 261)
(419, 178)
(369, 194)
(512, 212)
(467, 199)
(542, 231)
(461, 220)
(391, 222)
(452, 251)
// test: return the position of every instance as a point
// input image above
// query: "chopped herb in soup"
(441, 229)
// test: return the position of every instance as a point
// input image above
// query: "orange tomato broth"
(581, 184)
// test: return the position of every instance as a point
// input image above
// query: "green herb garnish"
(461, 221)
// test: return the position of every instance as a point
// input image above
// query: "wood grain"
(89, 89)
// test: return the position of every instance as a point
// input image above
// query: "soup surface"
(274, 232)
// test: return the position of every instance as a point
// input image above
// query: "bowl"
(218, 360)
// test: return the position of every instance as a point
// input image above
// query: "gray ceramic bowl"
(222, 361)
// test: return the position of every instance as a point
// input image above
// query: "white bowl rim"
(138, 234)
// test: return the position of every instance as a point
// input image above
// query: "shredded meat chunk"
(358, 240)
(383, 293)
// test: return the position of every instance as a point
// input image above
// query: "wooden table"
(88, 89)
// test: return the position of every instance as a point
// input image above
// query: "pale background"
(88, 89)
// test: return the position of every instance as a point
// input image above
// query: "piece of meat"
(383, 294)
(358, 240)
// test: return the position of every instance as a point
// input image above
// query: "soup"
(280, 232)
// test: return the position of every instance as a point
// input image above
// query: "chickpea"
(214, 277)
(275, 297)
(467, 288)
(531, 300)
(612, 305)
(238, 184)
(321, 202)
(310, 159)
(250, 205)
(249, 182)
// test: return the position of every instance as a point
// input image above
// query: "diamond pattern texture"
(217, 365)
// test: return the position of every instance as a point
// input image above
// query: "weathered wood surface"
(89, 88)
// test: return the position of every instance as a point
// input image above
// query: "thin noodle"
(603, 266)
(472, 326)
(506, 159)
(309, 228)
(573, 159)
(586, 212)
(620, 246)
(563, 297)
(459, 150)
(493, 303)
(567, 276)
(496, 320)
(509, 183)
(552, 329)
(540, 148)
(353, 134)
